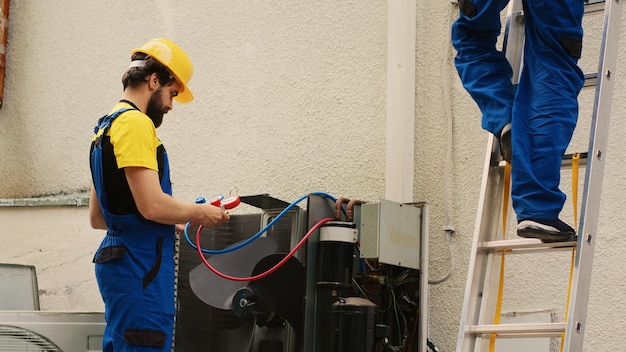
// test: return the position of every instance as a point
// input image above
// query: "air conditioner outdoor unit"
(47, 331)
(23, 327)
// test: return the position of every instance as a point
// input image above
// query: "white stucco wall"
(60, 244)
(290, 98)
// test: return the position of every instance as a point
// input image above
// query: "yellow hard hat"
(174, 58)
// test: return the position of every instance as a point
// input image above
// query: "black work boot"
(546, 230)
(505, 143)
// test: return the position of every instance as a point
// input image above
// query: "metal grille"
(14, 339)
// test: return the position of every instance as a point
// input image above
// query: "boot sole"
(547, 237)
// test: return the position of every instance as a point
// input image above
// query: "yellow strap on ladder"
(575, 163)
(505, 210)
(505, 207)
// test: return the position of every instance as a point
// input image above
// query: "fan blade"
(218, 292)
(239, 339)
(282, 292)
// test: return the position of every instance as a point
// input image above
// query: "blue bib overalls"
(135, 270)
(543, 109)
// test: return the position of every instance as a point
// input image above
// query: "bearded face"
(156, 109)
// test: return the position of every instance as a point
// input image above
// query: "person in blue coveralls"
(131, 199)
(533, 123)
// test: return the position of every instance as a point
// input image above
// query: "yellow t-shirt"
(131, 141)
(134, 139)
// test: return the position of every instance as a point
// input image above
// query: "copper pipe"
(338, 204)
(350, 209)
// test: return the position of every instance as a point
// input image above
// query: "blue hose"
(258, 234)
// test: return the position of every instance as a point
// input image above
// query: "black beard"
(155, 109)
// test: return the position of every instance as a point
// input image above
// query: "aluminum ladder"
(477, 321)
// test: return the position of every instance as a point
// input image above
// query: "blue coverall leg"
(543, 109)
(135, 274)
(484, 71)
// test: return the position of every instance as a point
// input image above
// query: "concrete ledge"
(61, 200)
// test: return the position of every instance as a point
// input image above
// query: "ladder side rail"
(514, 39)
(488, 296)
(593, 178)
(490, 201)
(476, 277)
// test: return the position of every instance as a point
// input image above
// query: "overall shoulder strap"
(105, 121)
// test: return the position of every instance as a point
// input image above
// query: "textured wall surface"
(290, 98)
(61, 245)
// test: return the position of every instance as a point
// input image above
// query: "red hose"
(269, 271)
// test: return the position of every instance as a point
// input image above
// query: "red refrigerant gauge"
(230, 202)
(216, 200)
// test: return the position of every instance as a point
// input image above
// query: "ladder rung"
(567, 158)
(525, 245)
(594, 6)
(590, 6)
(591, 79)
(566, 161)
(519, 330)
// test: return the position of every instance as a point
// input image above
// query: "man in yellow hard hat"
(131, 199)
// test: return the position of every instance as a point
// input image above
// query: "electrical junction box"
(393, 232)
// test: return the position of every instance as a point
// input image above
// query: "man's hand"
(211, 216)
